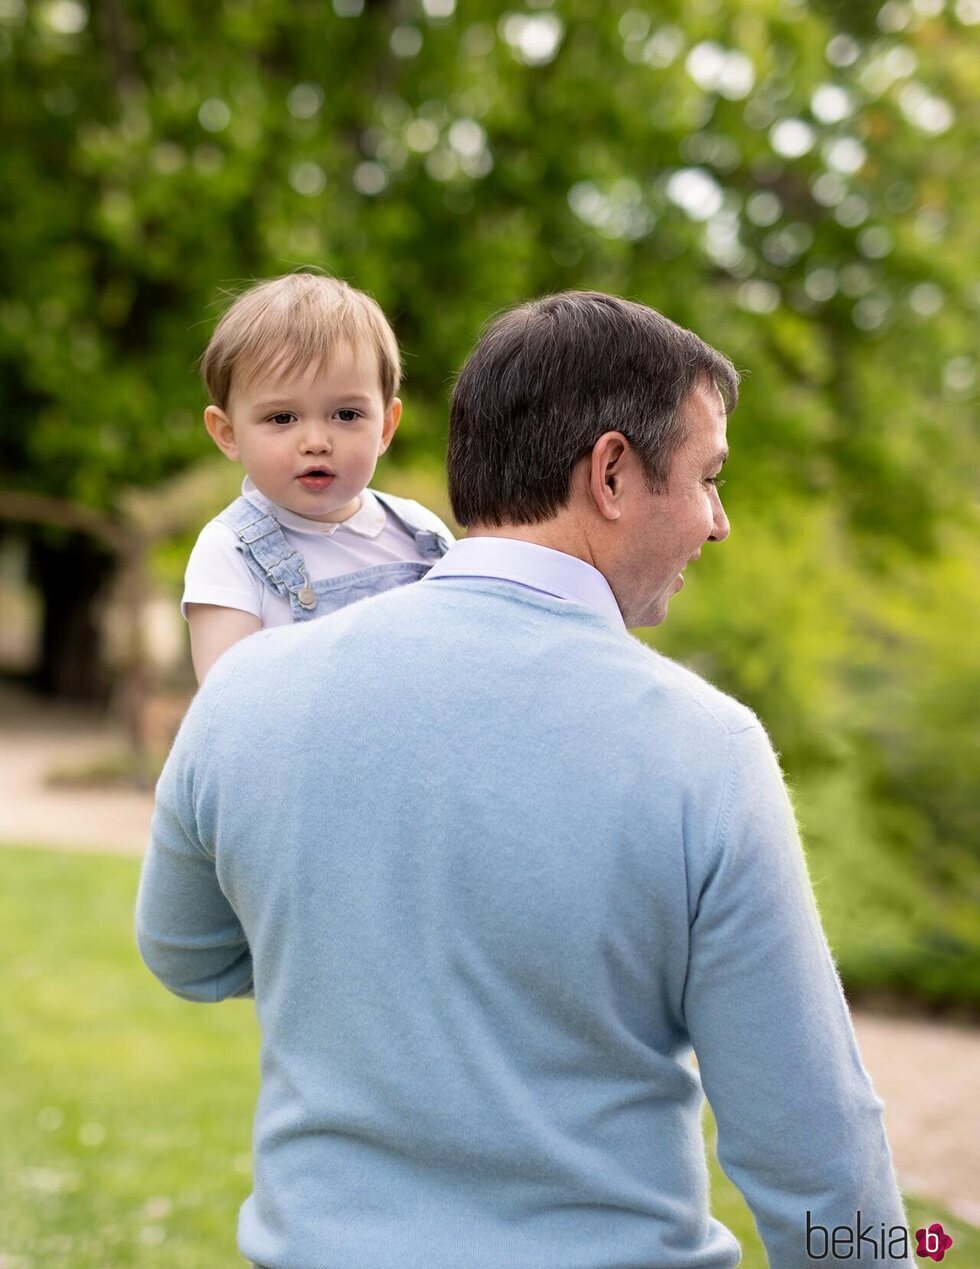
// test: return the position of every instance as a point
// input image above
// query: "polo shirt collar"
(528, 564)
(367, 521)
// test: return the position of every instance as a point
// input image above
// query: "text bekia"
(855, 1242)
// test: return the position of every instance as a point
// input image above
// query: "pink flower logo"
(933, 1242)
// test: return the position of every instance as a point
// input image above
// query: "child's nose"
(316, 438)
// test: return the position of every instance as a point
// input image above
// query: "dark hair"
(547, 379)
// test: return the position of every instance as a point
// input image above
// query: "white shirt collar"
(528, 564)
(367, 521)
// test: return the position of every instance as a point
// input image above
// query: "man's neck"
(559, 534)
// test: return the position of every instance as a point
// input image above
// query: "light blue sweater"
(496, 867)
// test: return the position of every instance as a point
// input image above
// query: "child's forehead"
(281, 366)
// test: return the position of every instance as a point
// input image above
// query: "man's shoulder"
(690, 696)
(585, 647)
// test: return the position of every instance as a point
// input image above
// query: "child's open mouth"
(316, 479)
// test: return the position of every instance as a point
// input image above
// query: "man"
(494, 867)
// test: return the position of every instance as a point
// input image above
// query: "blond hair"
(289, 323)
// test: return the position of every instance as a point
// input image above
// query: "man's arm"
(800, 1129)
(187, 931)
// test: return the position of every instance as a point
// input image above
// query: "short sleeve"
(216, 573)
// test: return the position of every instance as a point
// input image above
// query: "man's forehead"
(706, 420)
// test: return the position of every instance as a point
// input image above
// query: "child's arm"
(213, 630)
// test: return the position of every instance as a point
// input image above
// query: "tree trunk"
(73, 575)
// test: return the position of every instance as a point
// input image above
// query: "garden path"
(927, 1072)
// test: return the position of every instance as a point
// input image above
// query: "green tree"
(789, 179)
(786, 179)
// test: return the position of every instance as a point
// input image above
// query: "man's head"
(547, 379)
(302, 373)
(596, 425)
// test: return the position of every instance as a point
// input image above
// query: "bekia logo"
(862, 1241)
(933, 1242)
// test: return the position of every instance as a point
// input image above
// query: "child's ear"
(392, 418)
(221, 431)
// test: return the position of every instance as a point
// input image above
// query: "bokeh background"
(795, 181)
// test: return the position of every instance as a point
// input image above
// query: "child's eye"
(348, 416)
(282, 418)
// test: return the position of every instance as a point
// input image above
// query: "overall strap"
(265, 549)
(424, 528)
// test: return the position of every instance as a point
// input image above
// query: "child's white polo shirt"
(217, 573)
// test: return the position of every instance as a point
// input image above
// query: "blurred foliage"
(789, 179)
(868, 684)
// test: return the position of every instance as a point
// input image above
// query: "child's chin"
(323, 512)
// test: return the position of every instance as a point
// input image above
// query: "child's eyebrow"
(285, 403)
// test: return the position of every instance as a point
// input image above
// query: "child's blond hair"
(289, 323)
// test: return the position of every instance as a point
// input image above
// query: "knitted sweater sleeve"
(800, 1129)
(187, 932)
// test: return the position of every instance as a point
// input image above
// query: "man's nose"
(720, 528)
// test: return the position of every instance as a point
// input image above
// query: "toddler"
(301, 373)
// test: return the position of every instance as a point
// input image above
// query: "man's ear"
(607, 463)
(392, 418)
(221, 431)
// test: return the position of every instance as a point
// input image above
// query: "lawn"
(126, 1113)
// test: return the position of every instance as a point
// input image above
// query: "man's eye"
(348, 416)
(716, 481)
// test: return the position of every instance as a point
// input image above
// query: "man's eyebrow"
(720, 459)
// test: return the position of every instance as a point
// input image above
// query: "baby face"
(310, 440)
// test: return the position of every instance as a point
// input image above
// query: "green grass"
(126, 1113)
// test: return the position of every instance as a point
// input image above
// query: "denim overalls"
(270, 557)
